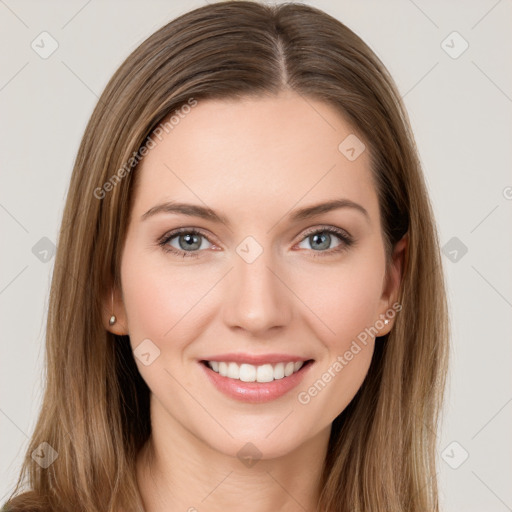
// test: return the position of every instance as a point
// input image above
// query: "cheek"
(346, 308)
(344, 299)
(160, 299)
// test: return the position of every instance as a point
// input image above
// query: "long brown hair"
(95, 410)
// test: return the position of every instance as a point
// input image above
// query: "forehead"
(256, 154)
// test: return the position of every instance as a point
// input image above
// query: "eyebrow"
(206, 213)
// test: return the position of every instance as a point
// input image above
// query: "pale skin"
(255, 162)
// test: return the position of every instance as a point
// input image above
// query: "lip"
(255, 392)
(255, 359)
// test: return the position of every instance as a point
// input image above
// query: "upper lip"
(256, 359)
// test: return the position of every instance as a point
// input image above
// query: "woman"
(248, 302)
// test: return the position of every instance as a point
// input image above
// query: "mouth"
(255, 383)
(246, 372)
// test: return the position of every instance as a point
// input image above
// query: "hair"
(95, 409)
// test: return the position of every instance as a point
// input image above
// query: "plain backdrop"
(452, 62)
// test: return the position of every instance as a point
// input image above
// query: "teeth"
(250, 373)
(288, 369)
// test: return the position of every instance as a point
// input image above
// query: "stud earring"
(385, 321)
(113, 318)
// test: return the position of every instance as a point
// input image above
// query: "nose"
(257, 299)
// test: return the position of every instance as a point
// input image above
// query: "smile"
(251, 373)
(255, 383)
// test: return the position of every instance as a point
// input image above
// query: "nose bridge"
(257, 300)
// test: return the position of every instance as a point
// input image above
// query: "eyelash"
(345, 239)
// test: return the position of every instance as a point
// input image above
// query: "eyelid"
(326, 227)
(178, 231)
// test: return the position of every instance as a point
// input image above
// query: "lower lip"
(255, 392)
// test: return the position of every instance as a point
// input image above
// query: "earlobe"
(114, 317)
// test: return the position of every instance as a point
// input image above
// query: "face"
(251, 277)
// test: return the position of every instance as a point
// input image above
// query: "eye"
(188, 242)
(320, 240)
(183, 242)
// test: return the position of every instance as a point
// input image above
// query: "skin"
(255, 161)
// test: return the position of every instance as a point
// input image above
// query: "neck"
(176, 471)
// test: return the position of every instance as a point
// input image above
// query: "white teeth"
(265, 373)
(251, 373)
(233, 371)
(223, 369)
(279, 371)
(247, 372)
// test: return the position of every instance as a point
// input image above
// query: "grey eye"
(188, 241)
(320, 240)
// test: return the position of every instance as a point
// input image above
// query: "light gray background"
(461, 112)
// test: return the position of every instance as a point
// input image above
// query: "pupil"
(191, 239)
(325, 236)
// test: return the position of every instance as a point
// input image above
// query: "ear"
(113, 306)
(392, 285)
